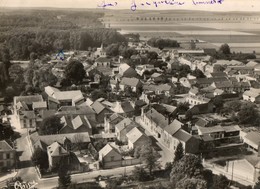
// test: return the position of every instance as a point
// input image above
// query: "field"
(242, 36)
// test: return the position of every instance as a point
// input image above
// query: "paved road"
(78, 178)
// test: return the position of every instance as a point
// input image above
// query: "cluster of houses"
(133, 122)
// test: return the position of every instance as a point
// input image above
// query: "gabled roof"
(4, 146)
(134, 135)
(182, 135)
(133, 82)
(49, 139)
(156, 117)
(253, 137)
(28, 99)
(115, 116)
(42, 104)
(154, 75)
(55, 149)
(75, 110)
(173, 127)
(208, 130)
(50, 90)
(123, 124)
(98, 107)
(80, 121)
(102, 59)
(67, 95)
(123, 67)
(123, 107)
(107, 149)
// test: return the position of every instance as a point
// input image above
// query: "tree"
(187, 167)
(191, 183)
(225, 49)
(139, 174)
(149, 156)
(74, 71)
(40, 158)
(247, 114)
(188, 115)
(6, 132)
(178, 154)
(220, 182)
(218, 102)
(64, 177)
(50, 125)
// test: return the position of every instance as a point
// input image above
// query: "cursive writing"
(134, 5)
(104, 4)
(208, 2)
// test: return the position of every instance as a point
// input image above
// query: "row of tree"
(162, 43)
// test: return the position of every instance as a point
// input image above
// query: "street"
(79, 178)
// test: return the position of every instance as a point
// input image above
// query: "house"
(124, 108)
(136, 138)
(123, 127)
(156, 77)
(111, 121)
(124, 70)
(245, 169)
(67, 140)
(219, 132)
(58, 98)
(7, 155)
(110, 157)
(78, 124)
(202, 108)
(252, 95)
(101, 110)
(140, 69)
(25, 109)
(78, 110)
(100, 52)
(165, 89)
(102, 61)
(55, 154)
(252, 140)
(131, 83)
(154, 122)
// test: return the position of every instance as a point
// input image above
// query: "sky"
(227, 5)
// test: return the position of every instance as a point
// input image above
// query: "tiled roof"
(253, 137)
(75, 110)
(182, 135)
(98, 107)
(66, 95)
(158, 118)
(134, 135)
(102, 59)
(133, 82)
(107, 149)
(39, 105)
(55, 149)
(49, 139)
(208, 130)
(123, 107)
(173, 127)
(124, 123)
(28, 99)
(4, 146)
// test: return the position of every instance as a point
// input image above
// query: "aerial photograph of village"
(137, 97)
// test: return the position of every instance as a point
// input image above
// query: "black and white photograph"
(129, 94)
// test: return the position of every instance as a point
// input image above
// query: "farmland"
(242, 35)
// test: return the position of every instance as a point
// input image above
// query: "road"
(79, 178)
(167, 155)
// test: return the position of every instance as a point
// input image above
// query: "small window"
(112, 158)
